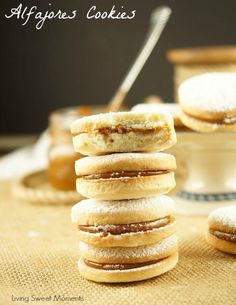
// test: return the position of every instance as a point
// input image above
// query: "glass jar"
(62, 157)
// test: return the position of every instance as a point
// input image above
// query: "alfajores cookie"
(222, 229)
(208, 102)
(124, 223)
(128, 264)
(123, 132)
(172, 108)
(125, 176)
(137, 272)
(129, 255)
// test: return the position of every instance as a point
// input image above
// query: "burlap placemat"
(39, 252)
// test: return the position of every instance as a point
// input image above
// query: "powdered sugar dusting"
(127, 157)
(145, 119)
(214, 91)
(226, 216)
(132, 252)
(87, 206)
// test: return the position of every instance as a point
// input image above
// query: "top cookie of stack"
(123, 132)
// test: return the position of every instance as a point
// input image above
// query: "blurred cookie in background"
(153, 104)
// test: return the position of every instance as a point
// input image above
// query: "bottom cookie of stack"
(120, 264)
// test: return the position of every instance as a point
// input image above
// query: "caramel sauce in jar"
(62, 157)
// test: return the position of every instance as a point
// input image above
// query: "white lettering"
(92, 8)
(94, 13)
(31, 12)
(26, 13)
(15, 11)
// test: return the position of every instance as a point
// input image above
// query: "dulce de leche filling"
(223, 235)
(127, 228)
(121, 129)
(124, 174)
(119, 266)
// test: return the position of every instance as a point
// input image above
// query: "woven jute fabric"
(39, 253)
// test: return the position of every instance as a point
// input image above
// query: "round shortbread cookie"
(171, 108)
(209, 95)
(130, 275)
(125, 176)
(126, 188)
(209, 99)
(203, 126)
(124, 223)
(125, 162)
(93, 212)
(123, 132)
(223, 219)
(221, 244)
(222, 229)
(139, 254)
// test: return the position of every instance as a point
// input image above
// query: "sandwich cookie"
(123, 132)
(208, 102)
(125, 176)
(128, 264)
(171, 108)
(124, 223)
(222, 229)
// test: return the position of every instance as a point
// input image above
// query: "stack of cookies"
(126, 227)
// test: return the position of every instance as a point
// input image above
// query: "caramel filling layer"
(228, 120)
(127, 228)
(124, 129)
(225, 236)
(119, 266)
(124, 174)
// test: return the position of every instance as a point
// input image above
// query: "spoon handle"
(159, 18)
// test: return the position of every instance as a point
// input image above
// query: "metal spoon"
(158, 20)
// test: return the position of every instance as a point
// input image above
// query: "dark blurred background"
(83, 61)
